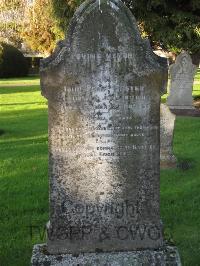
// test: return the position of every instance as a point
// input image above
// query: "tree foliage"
(11, 20)
(63, 11)
(172, 24)
(31, 23)
(10, 5)
(41, 31)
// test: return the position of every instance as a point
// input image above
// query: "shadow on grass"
(185, 164)
(2, 132)
(23, 182)
(180, 195)
(18, 89)
(179, 208)
(23, 124)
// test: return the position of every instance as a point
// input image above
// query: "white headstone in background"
(182, 78)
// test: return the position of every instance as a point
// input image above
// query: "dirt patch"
(197, 103)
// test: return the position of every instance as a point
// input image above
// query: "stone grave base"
(168, 164)
(181, 107)
(167, 256)
(186, 112)
(168, 161)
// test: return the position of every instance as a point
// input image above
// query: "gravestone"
(103, 85)
(182, 77)
(167, 121)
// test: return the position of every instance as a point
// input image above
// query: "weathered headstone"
(103, 87)
(167, 121)
(182, 78)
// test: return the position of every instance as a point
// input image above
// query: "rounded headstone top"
(183, 65)
(106, 27)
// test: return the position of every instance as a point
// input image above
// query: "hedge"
(12, 62)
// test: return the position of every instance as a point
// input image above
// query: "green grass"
(19, 81)
(197, 77)
(24, 178)
(180, 195)
(23, 172)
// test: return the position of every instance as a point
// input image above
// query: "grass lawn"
(24, 178)
(23, 171)
(19, 81)
(197, 77)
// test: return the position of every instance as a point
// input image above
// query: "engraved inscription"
(103, 106)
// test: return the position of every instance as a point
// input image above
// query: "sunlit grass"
(20, 81)
(197, 76)
(180, 195)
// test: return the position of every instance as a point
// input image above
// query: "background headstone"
(103, 87)
(182, 77)
(167, 122)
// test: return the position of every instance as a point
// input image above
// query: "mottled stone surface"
(103, 86)
(166, 256)
(167, 121)
(182, 78)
